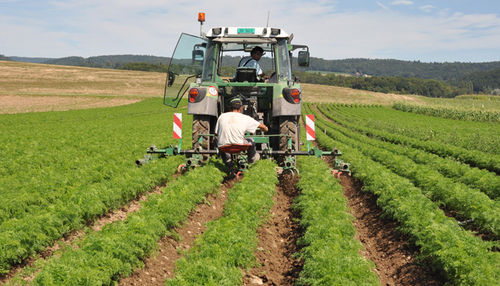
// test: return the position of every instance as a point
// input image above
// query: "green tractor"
(206, 69)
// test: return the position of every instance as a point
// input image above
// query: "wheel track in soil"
(69, 240)
(160, 266)
(393, 255)
(278, 240)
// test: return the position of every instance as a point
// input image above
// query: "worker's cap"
(236, 103)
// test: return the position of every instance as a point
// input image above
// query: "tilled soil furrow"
(393, 255)
(69, 239)
(161, 266)
(469, 224)
(277, 241)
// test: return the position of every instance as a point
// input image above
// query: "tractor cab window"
(285, 70)
(188, 55)
(231, 55)
(186, 63)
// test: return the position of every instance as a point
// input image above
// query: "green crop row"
(330, 252)
(473, 115)
(120, 247)
(462, 257)
(469, 135)
(355, 105)
(229, 243)
(474, 158)
(61, 170)
(470, 203)
(482, 179)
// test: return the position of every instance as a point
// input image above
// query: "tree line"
(425, 87)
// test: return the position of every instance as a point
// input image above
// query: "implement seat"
(234, 148)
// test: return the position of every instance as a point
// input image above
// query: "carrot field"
(420, 208)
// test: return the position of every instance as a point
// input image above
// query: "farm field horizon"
(81, 87)
(420, 208)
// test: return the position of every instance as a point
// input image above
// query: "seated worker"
(231, 128)
(253, 62)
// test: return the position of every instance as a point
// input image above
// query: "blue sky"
(427, 30)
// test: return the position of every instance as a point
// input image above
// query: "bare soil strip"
(393, 255)
(161, 266)
(69, 239)
(278, 241)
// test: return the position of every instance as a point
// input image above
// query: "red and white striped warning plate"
(177, 125)
(311, 134)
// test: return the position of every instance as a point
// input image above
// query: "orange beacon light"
(201, 17)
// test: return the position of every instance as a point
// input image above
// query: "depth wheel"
(181, 168)
(239, 175)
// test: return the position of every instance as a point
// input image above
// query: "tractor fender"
(206, 106)
(282, 107)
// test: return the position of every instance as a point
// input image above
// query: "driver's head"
(257, 53)
(236, 104)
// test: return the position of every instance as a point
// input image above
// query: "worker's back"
(232, 126)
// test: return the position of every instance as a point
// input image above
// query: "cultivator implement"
(239, 152)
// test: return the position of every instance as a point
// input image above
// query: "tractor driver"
(253, 62)
(231, 128)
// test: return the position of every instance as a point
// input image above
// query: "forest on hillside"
(447, 71)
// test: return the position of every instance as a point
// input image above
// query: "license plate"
(246, 31)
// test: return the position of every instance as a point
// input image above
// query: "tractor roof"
(222, 33)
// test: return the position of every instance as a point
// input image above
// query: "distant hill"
(453, 73)
(114, 61)
(4, 58)
(484, 81)
(388, 67)
(29, 60)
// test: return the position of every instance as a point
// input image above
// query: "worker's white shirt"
(231, 128)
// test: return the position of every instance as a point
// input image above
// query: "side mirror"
(303, 58)
(198, 56)
(171, 79)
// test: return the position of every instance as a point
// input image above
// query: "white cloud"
(402, 2)
(382, 5)
(427, 8)
(93, 27)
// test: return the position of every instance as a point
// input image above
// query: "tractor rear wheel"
(289, 125)
(201, 125)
